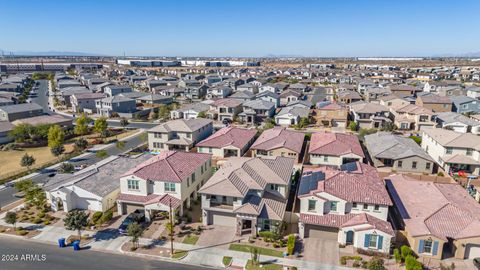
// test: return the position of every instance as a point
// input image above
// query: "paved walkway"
(110, 241)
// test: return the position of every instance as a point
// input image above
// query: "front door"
(247, 224)
(349, 237)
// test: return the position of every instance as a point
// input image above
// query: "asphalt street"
(21, 255)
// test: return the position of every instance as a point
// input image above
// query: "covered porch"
(464, 163)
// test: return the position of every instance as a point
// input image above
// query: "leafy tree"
(56, 137)
(389, 126)
(76, 220)
(101, 153)
(33, 194)
(352, 126)
(66, 167)
(417, 139)
(376, 264)
(21, 133)
(303, 123)
(124, 122)
(202, 115)
(81, 127)
(11, 218)
(27, 161)
(57, 150)
(405, 251)
(164, 112)
(397, 255)
(412, 264)
(135, 231)
(143, 137)
(100, 126)
(81, 144)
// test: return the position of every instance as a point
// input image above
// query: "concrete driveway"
(217, 236)
(321, 250)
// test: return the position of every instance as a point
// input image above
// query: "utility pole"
(171, 227)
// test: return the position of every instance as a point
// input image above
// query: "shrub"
(440, 174)
(37, 220)
(376, 264)
(291, 244)
(22, 232)
(41, 215)
(412, 264)
(107, 216)
(46, 222)
(356, 264)
(96, 216)
(397, 255)
(405, 251)
(268, 236)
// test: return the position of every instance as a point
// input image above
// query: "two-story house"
(412, 117)
(334, 149)
(330, 208)
(249, 194)
(225, 108)
(453, 151)
(115, 104)
(257, 110)
(370, 115)
(228, 142)
(279, 141)
(170, 179)
(180, 134)
(397, 152)
(113, 90)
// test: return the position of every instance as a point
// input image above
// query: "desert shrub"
(291, 244)
(37, 220)
(107, 216)
(96, 216)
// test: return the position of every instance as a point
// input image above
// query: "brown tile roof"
(240, 174)
(164, 199)
(169, 166)
(428, 208)
(279, 137)
(238, 137)
(335, 144)
(267, 207)
(362, 186)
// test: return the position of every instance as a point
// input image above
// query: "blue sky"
(242, 28)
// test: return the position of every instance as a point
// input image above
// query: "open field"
(10, 160)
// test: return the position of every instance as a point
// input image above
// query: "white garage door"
(313, 231)
(223, 219)
(472, 251)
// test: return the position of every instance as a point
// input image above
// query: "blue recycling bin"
(76, 245)
(61, 242)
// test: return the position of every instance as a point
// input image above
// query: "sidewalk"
(198, 255)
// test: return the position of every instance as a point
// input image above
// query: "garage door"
(314, 231)
(223, 219)
(129, 208)
(472, 251)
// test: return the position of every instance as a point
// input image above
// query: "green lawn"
(190, 239)
(269, 266)
(177, 254)
(227, 260)
(262, 251)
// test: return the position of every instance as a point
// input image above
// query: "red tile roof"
(237, 137)
(164, 199)
(335, 144)
(362, 186)
(279, 137)
(169, 166)
(348, 220)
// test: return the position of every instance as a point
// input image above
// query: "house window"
(427, 246)
(469, 151)
(377, 207)
(354, 205)
(325, 158)
(210, 150)
(169, 187)
(400, 163)
(449, 150)
(201, 169)
(133, 185)
(414, 165)
(365, 206)
(311, 205)
(333, 206)
(373, 241)
(274, 187)
(193, 177)
(266, 224)
(427, 166)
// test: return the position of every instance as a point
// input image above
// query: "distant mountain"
(469, 54)
(49, 53)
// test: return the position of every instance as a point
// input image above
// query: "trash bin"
(76, 245)
(61, 242)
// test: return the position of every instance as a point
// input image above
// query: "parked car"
(476, 262)
(136, 216)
